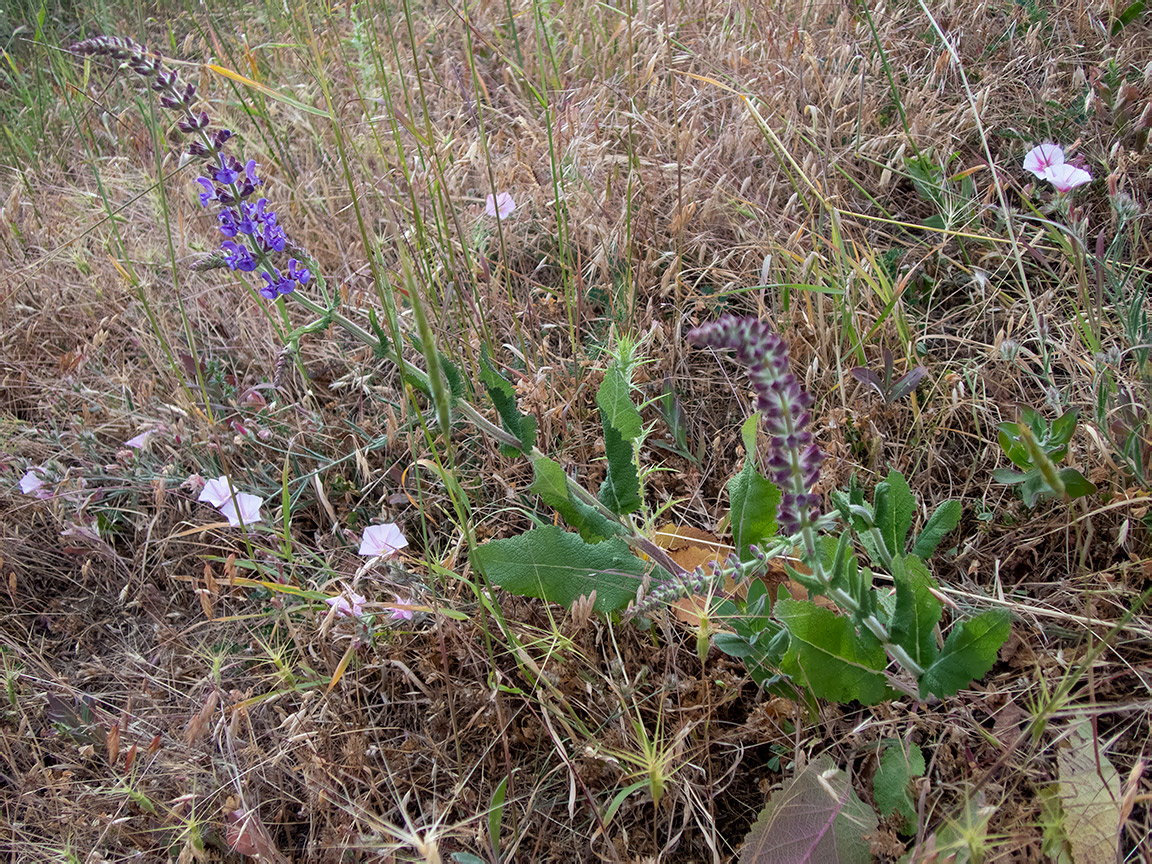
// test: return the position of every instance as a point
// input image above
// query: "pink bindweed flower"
(1066, 177)
(348, 605)
(1046, 161)
(249, 510)
(1043, 157)
(216, 492)
(382, 540)
(138, 441)
(399, 614)
(501, 204)
(30, 484)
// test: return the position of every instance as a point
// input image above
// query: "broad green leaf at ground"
(899, 764)
(556, 565)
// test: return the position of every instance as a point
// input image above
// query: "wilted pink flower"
(249, 509)
(1043, 157)
(348, 605)
(501, 204)
(138, 441)
(399, 614)
(1066, 177)
(383, 540)
(30, 483)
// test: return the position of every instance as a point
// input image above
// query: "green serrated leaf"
(917, 612)
(826, 653)
(551, 485)
(456, 386)
(503, 396)
(899, 763)
(560, 567)
(939, 525)
(895, 508)
(614, 399)
(754, 501)
(968, 653)
(620, 491)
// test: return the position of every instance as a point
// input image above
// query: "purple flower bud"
(193, 124)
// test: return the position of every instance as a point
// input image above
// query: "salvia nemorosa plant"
(791, 643)
(256, 243)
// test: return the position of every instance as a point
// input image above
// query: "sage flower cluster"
(793, 457)
(256, 243)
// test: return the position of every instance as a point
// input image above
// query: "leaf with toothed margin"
(620, 491)
(558, 566)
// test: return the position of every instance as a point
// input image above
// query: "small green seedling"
(1035, 446)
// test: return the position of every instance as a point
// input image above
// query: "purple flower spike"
(228, 182)
(793, 459)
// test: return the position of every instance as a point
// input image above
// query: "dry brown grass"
(675, 203)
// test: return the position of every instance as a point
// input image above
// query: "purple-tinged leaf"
(866, 376)
(817, 816)
(907, 384)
